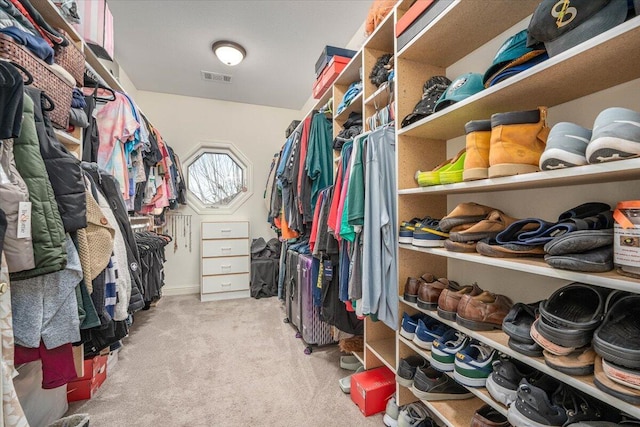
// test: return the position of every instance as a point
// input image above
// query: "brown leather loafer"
(430, 291)
(483, 312)
(449, 300)
(411, 289)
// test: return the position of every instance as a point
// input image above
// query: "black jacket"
(65, 173)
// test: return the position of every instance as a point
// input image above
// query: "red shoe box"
(95, 373)
(371, 389)
(329, 75)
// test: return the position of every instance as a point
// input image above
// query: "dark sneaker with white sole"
(407, 369)
(503, 382)
(533, 408)
(431, 384)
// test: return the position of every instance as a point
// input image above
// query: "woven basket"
(71, 59)
(44, 78)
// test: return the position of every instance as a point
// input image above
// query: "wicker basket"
(43, 78)
(71, 59)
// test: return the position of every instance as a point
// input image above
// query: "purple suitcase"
(314, 331)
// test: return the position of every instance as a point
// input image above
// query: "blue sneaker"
(443, 350)
(428, 331)
(428, 235)
(407, 228)
(409, 325)
(474, 364)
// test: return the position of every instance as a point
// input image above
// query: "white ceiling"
(163, 45)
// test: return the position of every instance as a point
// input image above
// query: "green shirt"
(319, 161)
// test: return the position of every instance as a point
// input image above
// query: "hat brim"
(524, 62)
(611, 15)
(412, 118)
(496, 69)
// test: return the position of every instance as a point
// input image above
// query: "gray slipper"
(595, 261)
(345, 383)
(579, 241)
(349, 362)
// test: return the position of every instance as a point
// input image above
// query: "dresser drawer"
(226, 265)
(225, 230)
(221, 247)
(226, 283)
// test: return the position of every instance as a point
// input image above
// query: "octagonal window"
(217, 178)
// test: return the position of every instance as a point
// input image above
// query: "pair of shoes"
(426, 289)
(615, 136)
(410, 324)
(428, 331)
(483, 312)
(447, 172)
(517, 325)
(407, 369)
(449, 300)
(464, 217)
(345, 382)
(587, 250)
(429, 234)
(474, 363)
(415, 415)
(507, 374)
(431, 384)
(405, 234)
(508, 144)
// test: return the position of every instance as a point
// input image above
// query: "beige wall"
(257, 131)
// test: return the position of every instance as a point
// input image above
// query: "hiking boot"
(487, 416)
(578, 362)
(566, 147)
(449, 299)
(503, 382)
(476, 163)
(473, 364)
(430, 384)
(443, 350)
(489, 227)
(409, 324)
(407, 369)
(411, 287)
(517, 142)
(464, 213)
(483, 312)
(618, 338)
(392, 411)
(616, 136)
(428, 331)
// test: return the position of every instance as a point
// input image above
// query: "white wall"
(184, 122)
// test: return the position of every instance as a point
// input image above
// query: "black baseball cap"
(563, 24)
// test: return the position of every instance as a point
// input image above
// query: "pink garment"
(58, 368)
(314, 228)
(332, 221)
(116, 125)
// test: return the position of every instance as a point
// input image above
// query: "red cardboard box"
(411, 15)
(329, 75)
(371, 389)
(95, 373)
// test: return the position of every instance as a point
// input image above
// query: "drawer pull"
(225, 285)
(225, 230)
(225, 249)
(225, 266)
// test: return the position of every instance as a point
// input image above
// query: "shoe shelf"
(480, 392)
(385, 351)
(450, 413)
(498, 340)
(380, 97)
(549, 83)
(359, 355)
(609, 279)
(383, 36)
(621, 170)
(463, 27)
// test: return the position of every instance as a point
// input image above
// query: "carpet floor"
(226, 363)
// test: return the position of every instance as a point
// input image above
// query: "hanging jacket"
(47, 230)
(110, 188)
(63, 169)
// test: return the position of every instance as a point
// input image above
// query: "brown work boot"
(489, 227)
(464, 213)
(483, 312)
(517, 142)
(430, 291)
(476, 162)
(449, 300)
(411, 289)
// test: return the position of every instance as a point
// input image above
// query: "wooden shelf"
(549, 83)
(621, 170)
(480, 392)
(351, 72)
(383, 36)
(385, 350)
(463, 27)
(380, 97)
(66, 138)
(498, 340)
(359, 355)
(537, 266)
(355, 105)
(322, 101)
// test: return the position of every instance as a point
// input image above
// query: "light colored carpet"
(228, 363)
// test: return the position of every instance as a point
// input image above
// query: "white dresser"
(225, 260)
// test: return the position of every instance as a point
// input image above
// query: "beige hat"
(95, 243)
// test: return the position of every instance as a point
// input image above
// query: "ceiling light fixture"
(229, 53)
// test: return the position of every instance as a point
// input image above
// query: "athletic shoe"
(409, 324)
(429, 235)
(415, 415)
(391, 413)
(428, 331)
(616, 136)
(566, 147)
(430, 384)
(503, 382)
(407, 369)
(407, 228)
(473, 364)
(443, 350)
(534, 408)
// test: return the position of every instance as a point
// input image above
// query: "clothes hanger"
(25, 72)
(6, 76)
(51, 105)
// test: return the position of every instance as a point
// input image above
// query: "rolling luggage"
(292, 296)
(314, 330)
